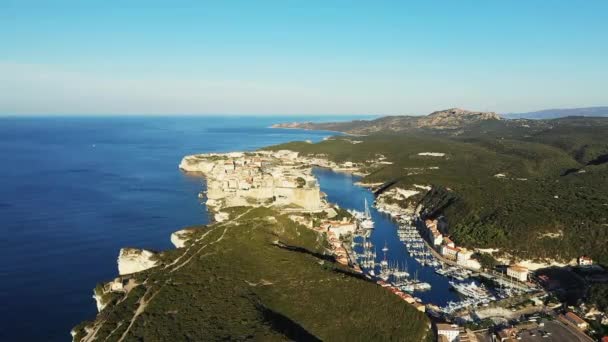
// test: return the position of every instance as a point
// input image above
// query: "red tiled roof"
(573, 317)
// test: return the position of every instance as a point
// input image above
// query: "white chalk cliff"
(133, 260)
(179, 238)
(98, 301)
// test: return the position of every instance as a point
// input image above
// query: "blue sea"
(74, 190)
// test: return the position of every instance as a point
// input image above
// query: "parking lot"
(553, 331)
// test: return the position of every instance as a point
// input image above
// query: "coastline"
(107, 294)
(318, 130)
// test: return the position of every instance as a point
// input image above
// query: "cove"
(340, 189)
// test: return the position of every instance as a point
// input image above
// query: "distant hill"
(559, 113)
(448, 119)
(532, 188)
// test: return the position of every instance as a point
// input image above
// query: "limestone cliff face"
(133, 260)
(194, 164)
(99, 301)
(309, 199)
(179, 238)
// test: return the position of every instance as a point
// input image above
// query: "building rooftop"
(446, 326)
(518, 268)
(573, 317)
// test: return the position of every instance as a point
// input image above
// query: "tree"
(301, 182)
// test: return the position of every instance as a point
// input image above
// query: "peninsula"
(273, 266)
(280, 262)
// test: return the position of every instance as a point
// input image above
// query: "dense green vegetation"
(486, 260)
(534, 188)
(598, 296)
(257, 278)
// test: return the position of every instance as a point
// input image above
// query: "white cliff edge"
(133, 260)
(99, 300)
(180, 237)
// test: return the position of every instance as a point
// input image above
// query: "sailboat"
(367, 222)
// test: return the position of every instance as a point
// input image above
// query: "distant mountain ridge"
(448, 119)
(601, 111)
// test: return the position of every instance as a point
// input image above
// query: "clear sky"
(301, 57)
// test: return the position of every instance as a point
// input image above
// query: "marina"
(381, 251)
(392, 251)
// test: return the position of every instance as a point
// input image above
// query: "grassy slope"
(486, 211)
(245, 287)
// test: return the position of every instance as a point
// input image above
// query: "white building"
(451, 332)
(518, 272)
(437, 238)
(342, 228)
(585, 261)
(463, 256)
(449, 252)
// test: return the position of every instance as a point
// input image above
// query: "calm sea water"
(74, 190)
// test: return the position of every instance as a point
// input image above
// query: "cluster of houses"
(322, 160)
(403, 295)
(447, 248)
(463, 256)
(335, 230)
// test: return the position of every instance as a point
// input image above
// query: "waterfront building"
(518, 272)
(464, 255)
(449, 252)
(433, 233)
(464, 258)
(585, 261)
(450, 331)
(579, 322)
(437, 238)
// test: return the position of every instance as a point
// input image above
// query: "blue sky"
(300, 57)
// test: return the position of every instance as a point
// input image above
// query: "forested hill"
(258, 277)
(449, 119)
(533, 188)
(452, 121)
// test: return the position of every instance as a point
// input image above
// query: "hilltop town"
(263, 202)
(278, 179)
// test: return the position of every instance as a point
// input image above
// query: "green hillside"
(551, 202)
(261, 277)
